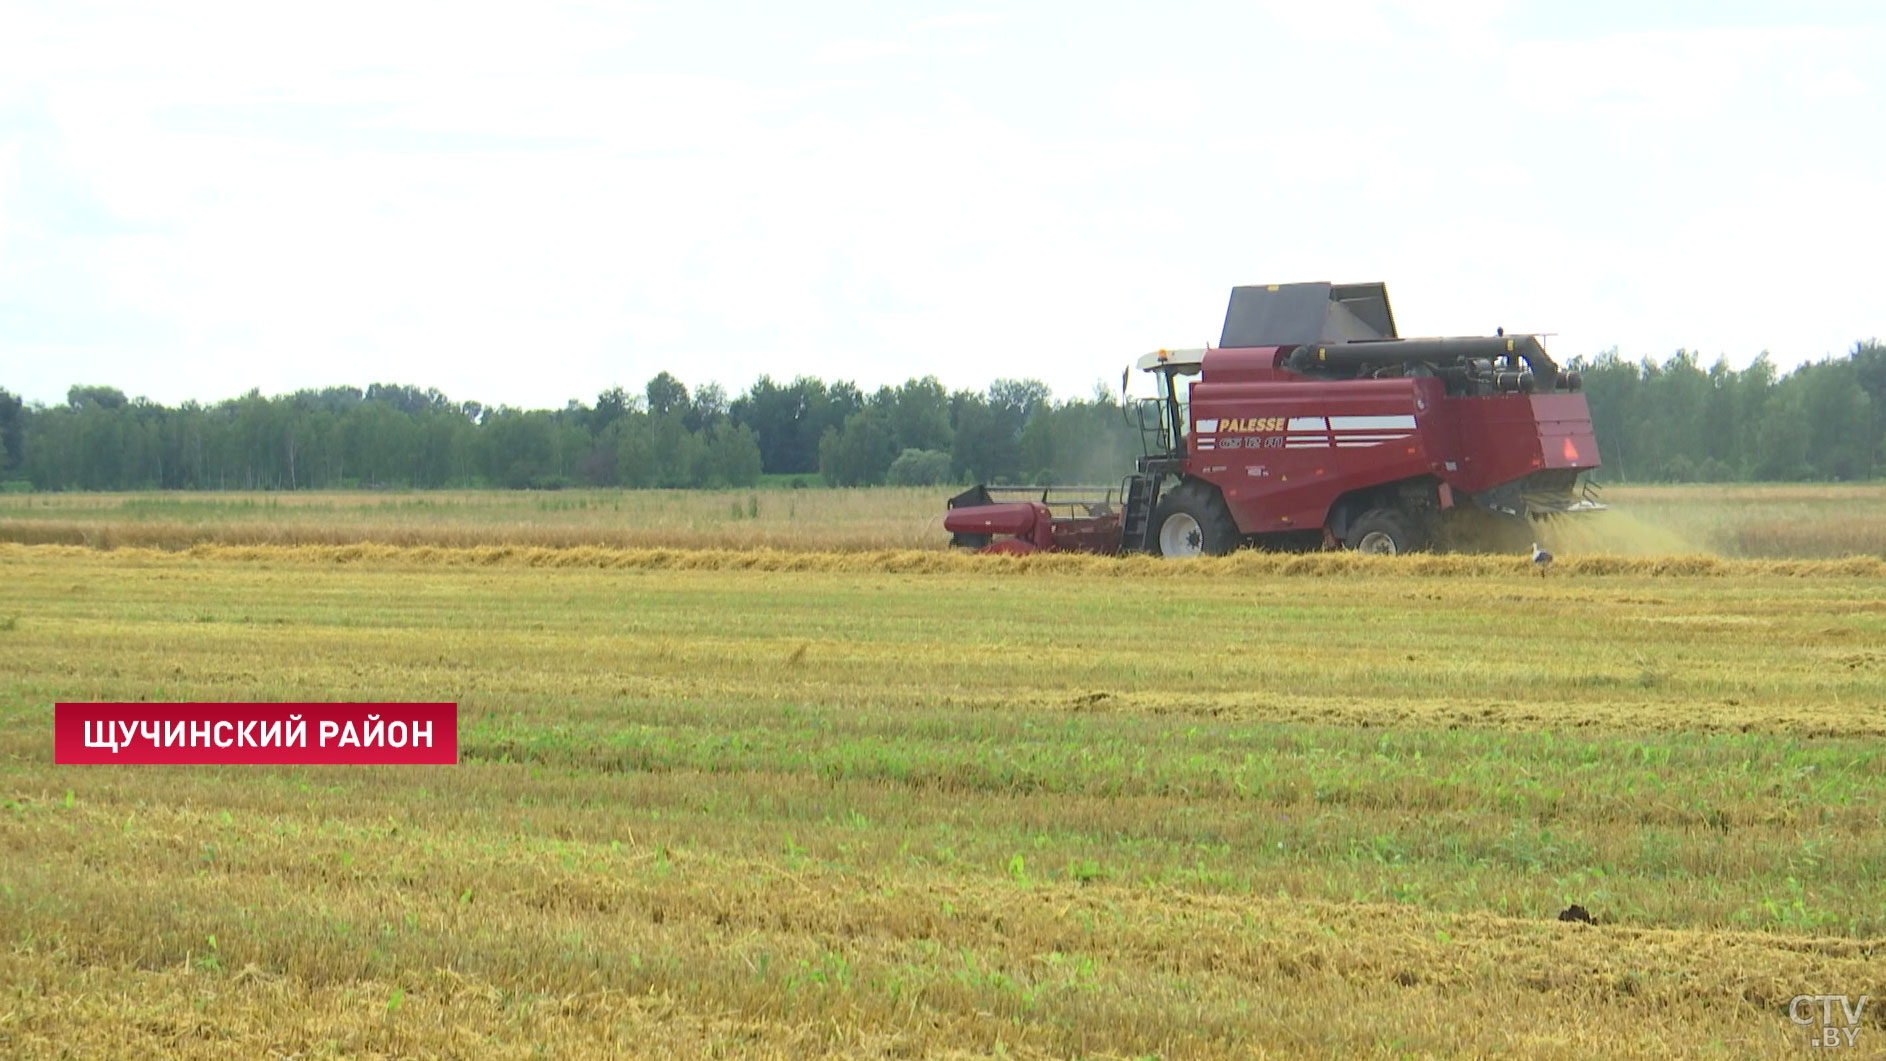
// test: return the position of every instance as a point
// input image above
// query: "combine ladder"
(1142, 493)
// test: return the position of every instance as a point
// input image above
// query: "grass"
(913, 804)
(1789, 521)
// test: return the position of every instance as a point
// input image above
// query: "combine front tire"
(1385, 532)
(1192, 520)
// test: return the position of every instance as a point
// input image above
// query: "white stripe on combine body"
(1372, 423)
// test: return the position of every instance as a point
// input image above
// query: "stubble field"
(892, 803)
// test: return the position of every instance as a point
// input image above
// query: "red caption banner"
(254, 734)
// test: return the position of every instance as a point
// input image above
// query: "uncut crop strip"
(790, 519)
(865, 807)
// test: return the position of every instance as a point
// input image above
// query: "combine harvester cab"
(1313, 424)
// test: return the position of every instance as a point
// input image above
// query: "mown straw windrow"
(1251, 564)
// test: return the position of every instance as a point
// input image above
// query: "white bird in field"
(1540, 559)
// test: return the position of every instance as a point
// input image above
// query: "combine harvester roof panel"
(1299, 314)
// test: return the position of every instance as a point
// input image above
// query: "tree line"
(1677, 421)
(395, 435)
(1673, 420)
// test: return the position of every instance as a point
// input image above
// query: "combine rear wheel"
(1192, 520)
(1385, 532)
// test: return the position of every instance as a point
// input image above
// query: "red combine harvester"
(1313, 425)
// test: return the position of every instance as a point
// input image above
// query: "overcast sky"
(528, 203)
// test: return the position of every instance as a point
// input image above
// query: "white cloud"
(1842, 82)
(525, 210)
(963, 20)
(1165, 100)
(852, 50)
(1665, 75)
